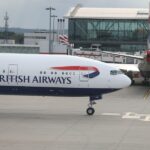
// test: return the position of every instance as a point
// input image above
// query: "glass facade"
(112, 35)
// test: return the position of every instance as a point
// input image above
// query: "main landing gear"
(90, 110)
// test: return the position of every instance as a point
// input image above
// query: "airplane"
(59, 75)
(143, 67)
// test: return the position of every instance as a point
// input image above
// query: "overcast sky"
(32, 13)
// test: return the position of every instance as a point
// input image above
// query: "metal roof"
(107, 13)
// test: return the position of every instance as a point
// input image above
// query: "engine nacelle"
(147, 56)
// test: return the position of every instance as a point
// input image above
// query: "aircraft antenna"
(6, 18)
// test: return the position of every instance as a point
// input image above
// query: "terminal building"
(19, 48)
(41, 39)
(113, 29)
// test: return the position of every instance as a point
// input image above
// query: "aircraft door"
(12, 72)
(83, 77)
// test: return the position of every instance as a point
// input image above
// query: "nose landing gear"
(90, 110)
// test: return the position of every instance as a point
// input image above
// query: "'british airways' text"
(34, 79)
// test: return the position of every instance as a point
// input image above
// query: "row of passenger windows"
(112, 72)
(55, 73)
(52, 73)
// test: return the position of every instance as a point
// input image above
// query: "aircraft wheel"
(90, 111)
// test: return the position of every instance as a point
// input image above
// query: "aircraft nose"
(119, 82)
(126, 81)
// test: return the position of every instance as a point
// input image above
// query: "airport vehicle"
(59, 75)
(143, 66)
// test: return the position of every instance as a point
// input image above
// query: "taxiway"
(121, 122)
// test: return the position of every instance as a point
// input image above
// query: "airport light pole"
(53, 16)
(50, 39)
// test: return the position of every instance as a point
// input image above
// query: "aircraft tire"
(90, 111)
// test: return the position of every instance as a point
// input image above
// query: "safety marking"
(133, 115)
(146, 118)
(130, 115)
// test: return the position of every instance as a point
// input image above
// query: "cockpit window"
(115, 72)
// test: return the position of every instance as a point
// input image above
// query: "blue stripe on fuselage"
(50, 91)
(92, 75)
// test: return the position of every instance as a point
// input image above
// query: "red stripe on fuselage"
(83, 68)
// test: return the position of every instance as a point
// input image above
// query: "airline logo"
(93, 71)
(88, 72)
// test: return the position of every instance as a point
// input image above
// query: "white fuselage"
(57, 75)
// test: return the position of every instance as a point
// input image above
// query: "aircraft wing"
(127, 67)
(125, 55)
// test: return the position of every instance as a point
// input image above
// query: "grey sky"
(32, 13)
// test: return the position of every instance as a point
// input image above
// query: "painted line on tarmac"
(111, 114)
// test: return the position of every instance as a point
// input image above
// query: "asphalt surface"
(121, 122)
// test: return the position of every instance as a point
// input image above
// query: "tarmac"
(121, 122)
